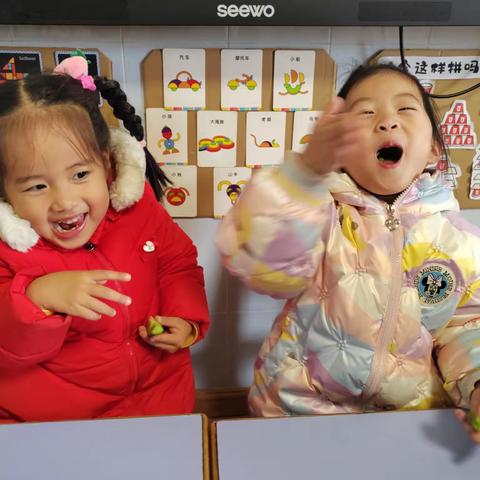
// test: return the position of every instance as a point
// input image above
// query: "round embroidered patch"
(434, 282)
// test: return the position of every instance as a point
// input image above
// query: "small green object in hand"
(474, 421)
(154, 327)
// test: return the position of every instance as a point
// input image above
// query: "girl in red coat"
(87, 255)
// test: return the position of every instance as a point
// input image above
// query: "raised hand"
(339, 138)
(78, 292)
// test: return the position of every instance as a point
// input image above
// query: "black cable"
(431, 95)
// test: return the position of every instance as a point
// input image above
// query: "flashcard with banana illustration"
(228, 184)
(184, 78)
(293, 80)
(216, 138)
(181, 196)
(241, 79)
(303, 126)
(265, 138)
(167, 137)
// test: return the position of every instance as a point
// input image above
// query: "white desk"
(169, 447)
(394, 446)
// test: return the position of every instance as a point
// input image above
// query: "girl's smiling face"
(62, 193)
(401, 143)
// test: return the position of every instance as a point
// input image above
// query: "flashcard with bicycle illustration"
(181, 196)
(167, 135)
(228, 184)
(265, 138)
(216, 138)
(184, 78)
(293, 80)
(241, 79)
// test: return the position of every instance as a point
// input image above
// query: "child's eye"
(81, 175)
(367, 112)
(36, 188)
(406, 108)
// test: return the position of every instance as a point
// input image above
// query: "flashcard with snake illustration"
(265, 138)
(216, 139)
(293, 80)
(241, 79)
(167, 135)
(184, 78)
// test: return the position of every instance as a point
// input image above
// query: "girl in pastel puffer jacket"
(380, 272)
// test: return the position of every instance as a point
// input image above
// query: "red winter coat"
(60, 367)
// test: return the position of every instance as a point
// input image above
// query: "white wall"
(240, 319)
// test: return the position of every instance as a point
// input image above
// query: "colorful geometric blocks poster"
(265, 138)
(181, 197)
(16, 65)
(241, 79)
(216, 138)
(303, 125)
(228, 184)
(184, 78)
(293, 80)
(167, 137)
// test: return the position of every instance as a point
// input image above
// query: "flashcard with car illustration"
(167, 137)
(216, 139)
(265, 138)
(181, 197)
(293, 80)
(228, 184)
(303, 126)
(241, 79)
(184, 78)
(16, 65)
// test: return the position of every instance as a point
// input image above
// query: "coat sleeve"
(458, 343)
(181, 284)
(275, 235)
(27, 335)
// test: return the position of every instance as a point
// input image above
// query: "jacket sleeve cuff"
(467, 384)
(300, 173)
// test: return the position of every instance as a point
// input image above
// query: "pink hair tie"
(77, 68)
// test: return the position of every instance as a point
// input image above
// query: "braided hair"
(46, 90)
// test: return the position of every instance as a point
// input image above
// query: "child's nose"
(387, 125)
(63, 202)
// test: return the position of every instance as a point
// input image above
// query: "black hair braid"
(115, 96)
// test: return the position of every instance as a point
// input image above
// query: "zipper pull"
(392, 223)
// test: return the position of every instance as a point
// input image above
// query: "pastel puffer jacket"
(383, 302)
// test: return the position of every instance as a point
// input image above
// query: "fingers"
(157, 341)
(106, 293)
(100, 276)
(463, 418)
(336, 105)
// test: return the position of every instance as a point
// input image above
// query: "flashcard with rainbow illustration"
(265, 138)
(293, 80)
(228, 184)
(303, 126)
(216, 138)
(475, 178)
(181, 196)
(457, 127)
(450, 171)
(167, 137)
(16, 65)
(241, 79)
(184, 78)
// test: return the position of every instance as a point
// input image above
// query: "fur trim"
(127, 189)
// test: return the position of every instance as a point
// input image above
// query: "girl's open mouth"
(69, 227)
(389, 156)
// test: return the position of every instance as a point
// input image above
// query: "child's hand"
(174, 337)
(475, 412)
(339, 137)
(77, 293)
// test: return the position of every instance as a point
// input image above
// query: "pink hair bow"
(77, 68)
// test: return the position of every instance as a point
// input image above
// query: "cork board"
(459, 156)
(152, 79)
(48, 64)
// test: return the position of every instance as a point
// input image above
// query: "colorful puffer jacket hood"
(383, 300)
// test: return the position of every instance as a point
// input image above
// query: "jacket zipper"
(389, 322)
(91, 248)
